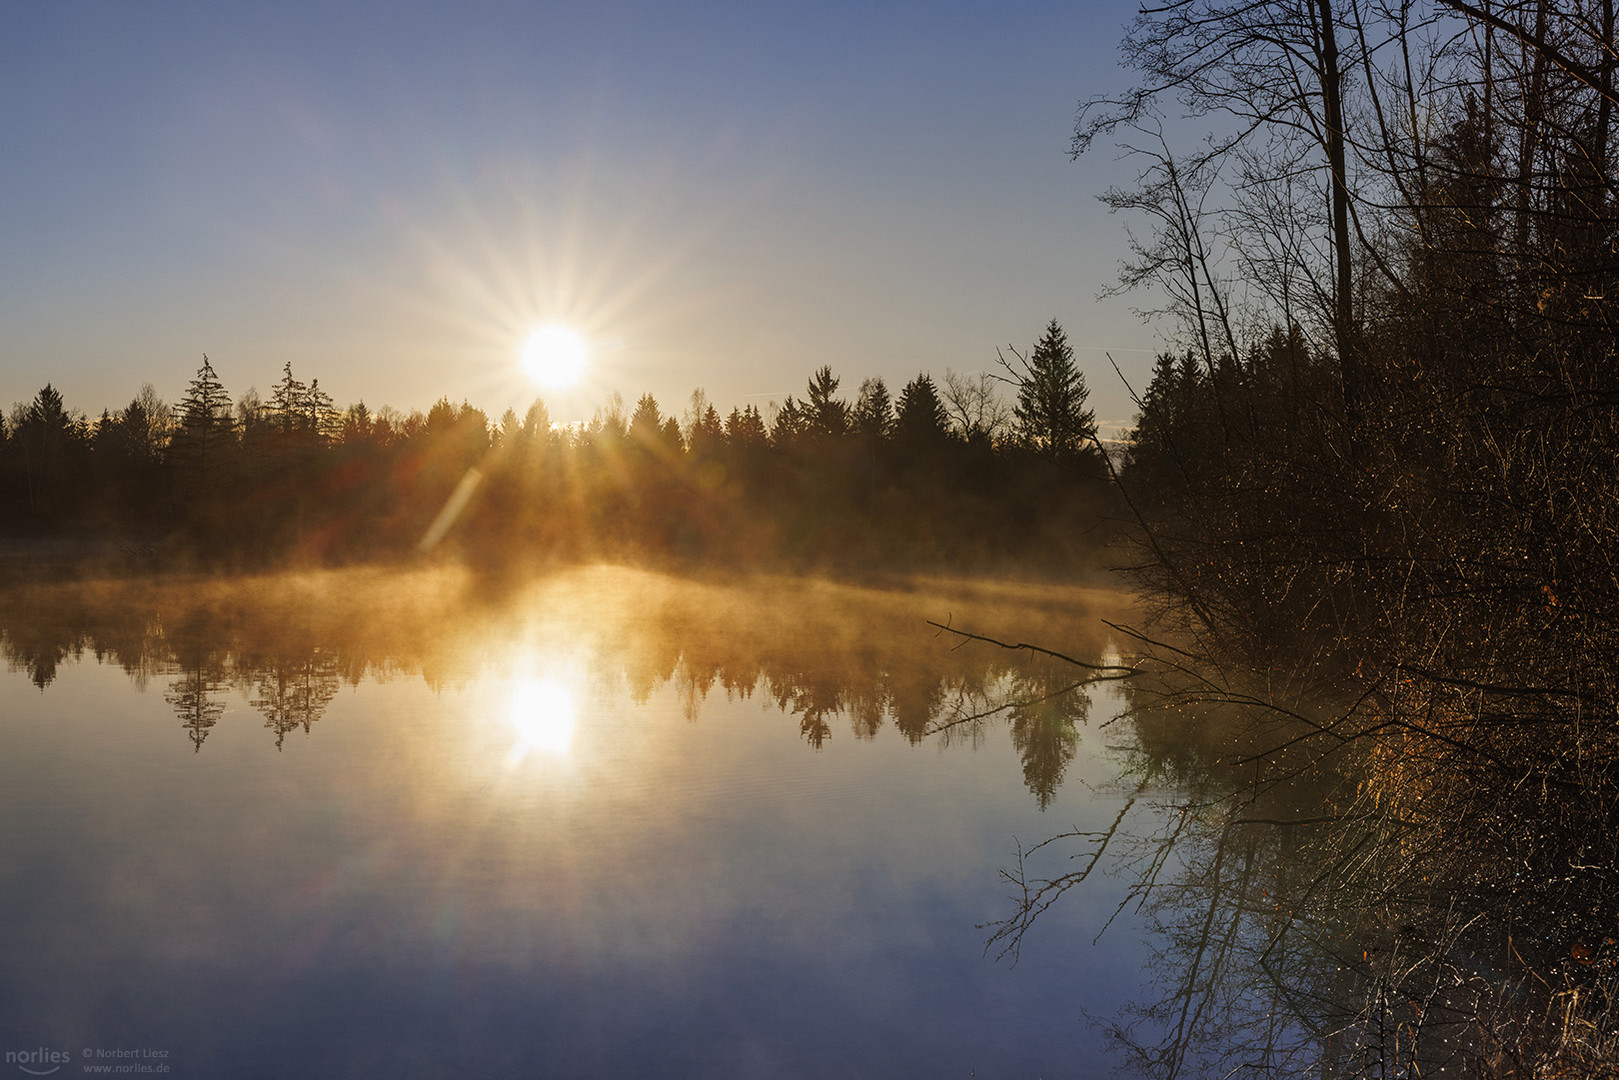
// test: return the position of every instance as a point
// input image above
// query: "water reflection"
(1310, 918)
(832, 657)
(543, 715)
(197, 695)
(292, 691)
(1303, 919)
(437, 806)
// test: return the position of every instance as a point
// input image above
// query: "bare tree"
(976, 408)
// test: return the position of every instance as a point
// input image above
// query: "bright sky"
(391, 196)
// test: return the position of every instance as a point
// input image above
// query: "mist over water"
(358, 822)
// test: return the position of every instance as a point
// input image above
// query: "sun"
(555, 356)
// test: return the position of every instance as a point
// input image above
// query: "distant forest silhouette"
(953, 472)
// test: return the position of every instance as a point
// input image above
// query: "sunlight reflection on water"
(611, 822)
(543, 715)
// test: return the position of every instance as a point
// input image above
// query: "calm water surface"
(608, 823)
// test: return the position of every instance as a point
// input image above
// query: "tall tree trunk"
(1600, 153)
(1343, 285)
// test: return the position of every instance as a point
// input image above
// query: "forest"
(1376, 496)
(1371, 496)
(943, 474)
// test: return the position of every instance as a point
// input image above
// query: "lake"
(604, 822)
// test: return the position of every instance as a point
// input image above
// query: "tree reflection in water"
(196, 693)
(1325, 902)
(293, 691)
(828, 655)
(1314, 917)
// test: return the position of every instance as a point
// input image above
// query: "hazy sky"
(390, 195)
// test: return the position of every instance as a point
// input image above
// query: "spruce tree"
(790, 425)
(288, 405)
(320, 414)
(707, 437)
(1050, 410)
(537, 421)
(745, 430)
(920, 420)
(825, 416)
(874, 411)
(646, 421)
(204, 425)
(50, 439)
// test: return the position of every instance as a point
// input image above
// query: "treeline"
(1384, 463)
(933, 475)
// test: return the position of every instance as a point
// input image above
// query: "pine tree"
(825, 416)
(646, 421)
(920, 421)
(873, 425)
(873, 417)
(358, 425)
(789, 426)
(745, 430)
(320, 414)
(707, 438)
(204, 426)
(287, 405)
(50, 439)
(1050, 410)
(1172, 438)
(537, 422)
(440, 418)
(672, 442)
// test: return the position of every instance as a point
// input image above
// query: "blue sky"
(390, 195)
